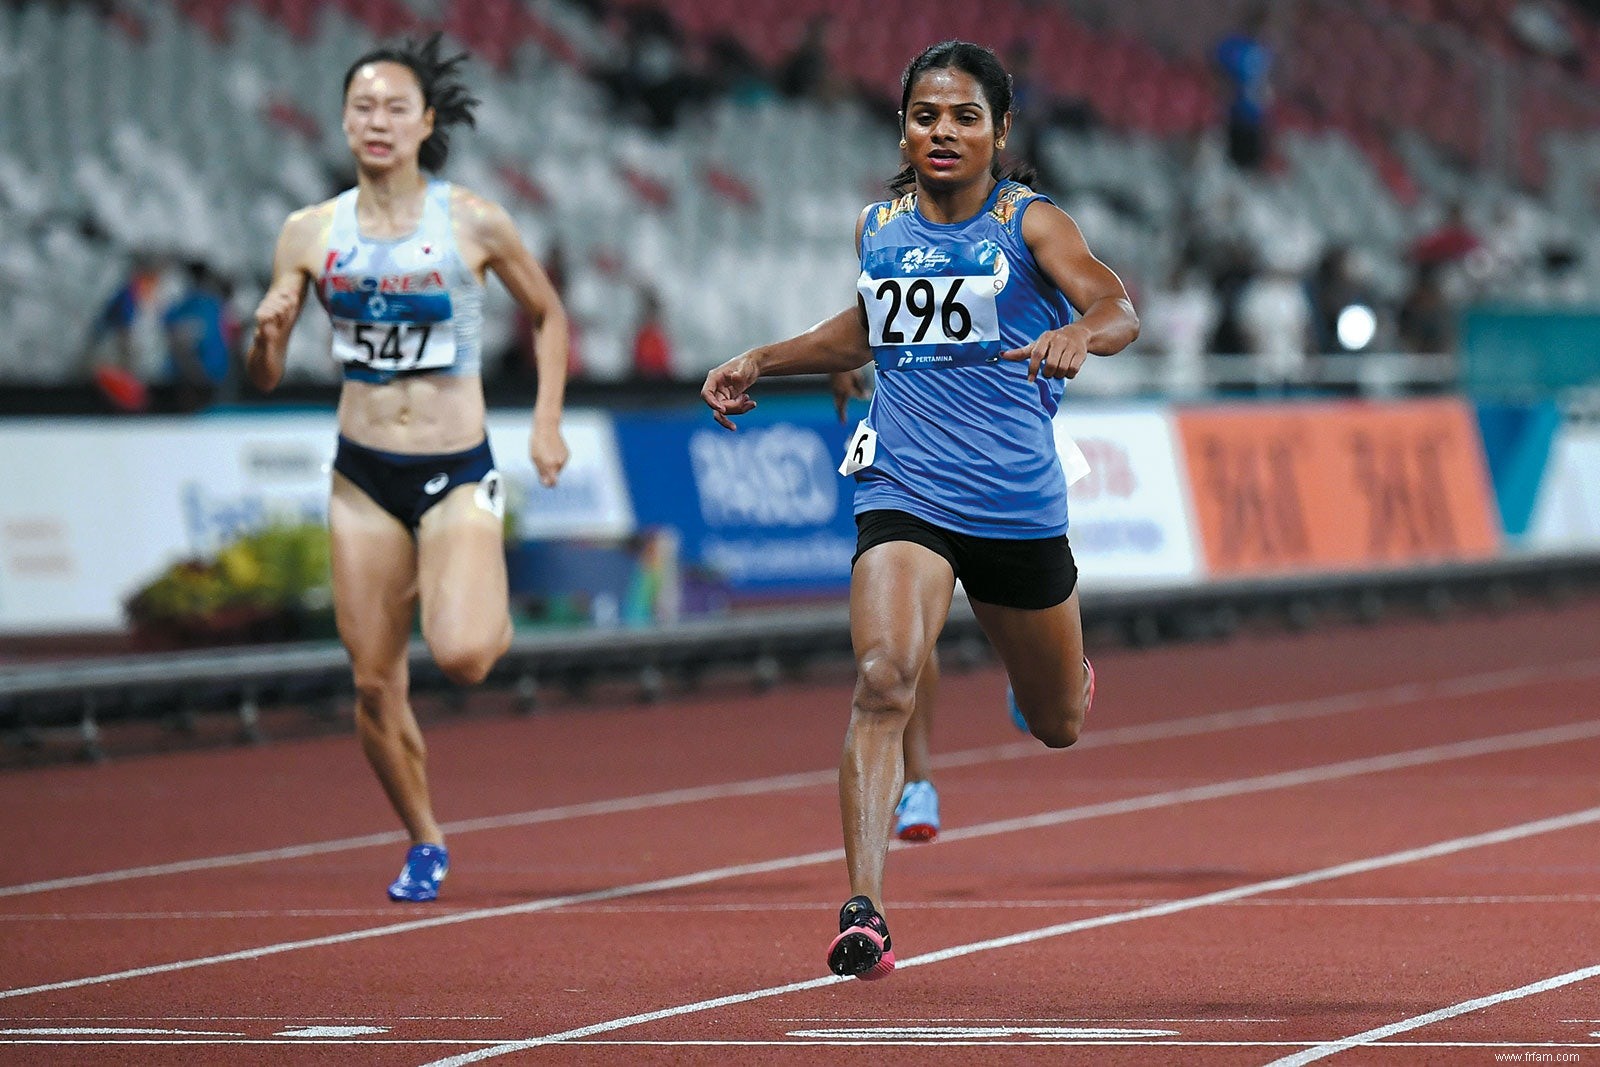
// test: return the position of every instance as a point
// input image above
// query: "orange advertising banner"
(1338, 486)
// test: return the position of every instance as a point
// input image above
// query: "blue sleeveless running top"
(965, 441)
(405, 304)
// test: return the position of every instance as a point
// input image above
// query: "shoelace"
(862, 914)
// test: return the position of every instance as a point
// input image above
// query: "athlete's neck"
(390, 204)
(946, 206)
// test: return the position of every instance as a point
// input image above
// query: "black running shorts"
(1030, 573)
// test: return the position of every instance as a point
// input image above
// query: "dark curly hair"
(442, 90)
(990, 74)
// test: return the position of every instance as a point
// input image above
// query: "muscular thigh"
(461, 569)
(1042, 648)
(374, 576)
(899, 600)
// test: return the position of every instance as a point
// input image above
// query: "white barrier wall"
(91, 509)
(1129, 518)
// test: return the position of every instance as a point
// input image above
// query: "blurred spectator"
(1513, 242)
(1231, 269)
(1030, 107)
(1275, 318)
(1427, 318)
(1178, 322)
(733, 73)
(1450, 241)
(1558, 279)
(1457, 251)
(126, 346)
(1244, 60)
(202, 336)
(807, 72)
(650, 80)
(652, 349)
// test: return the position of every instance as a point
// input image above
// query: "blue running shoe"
(917, 814)
(426, 866)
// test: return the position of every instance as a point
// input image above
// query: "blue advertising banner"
(764, 508)
(1517, 439)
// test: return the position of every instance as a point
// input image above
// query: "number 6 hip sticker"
(861, 449)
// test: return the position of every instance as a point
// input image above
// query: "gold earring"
(1001, 143)
(902, 142)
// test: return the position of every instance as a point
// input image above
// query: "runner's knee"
(885, 686)
(467, 662)
(377, 691)
(1063, 734)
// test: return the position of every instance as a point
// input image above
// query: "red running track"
(1374, 845)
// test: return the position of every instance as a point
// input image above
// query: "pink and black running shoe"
(862, 947)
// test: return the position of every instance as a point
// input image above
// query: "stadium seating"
(206, 121)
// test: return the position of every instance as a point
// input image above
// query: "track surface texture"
(1371, 845)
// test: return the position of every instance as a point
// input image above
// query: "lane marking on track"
(253, 1041)
(246, 1018)
(765, 908)
(1172, 1043)
(993, 1021)
(1368, 1037)
(1239, 787)
(1065, 1034)
(802, 1043)
(1588, 816)
(1190, 726)
(109, 1031)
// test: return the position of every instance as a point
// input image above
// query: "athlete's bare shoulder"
(305, 232)
(311, 216)
(476, 214)
(484, 230)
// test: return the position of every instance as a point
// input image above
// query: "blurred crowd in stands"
(180, 322)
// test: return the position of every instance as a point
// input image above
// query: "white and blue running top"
(960, 437)
(405, 304)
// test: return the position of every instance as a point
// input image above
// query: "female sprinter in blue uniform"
(966, 302)
(415, 513)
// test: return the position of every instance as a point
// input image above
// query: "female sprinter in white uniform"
(416, 506)
(966, 303)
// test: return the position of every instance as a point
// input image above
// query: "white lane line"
(251, 1041)
(1368, 1037)
(109, 1031)
(1190, 726)
(991, 1020)
(1343, 870)
(1099, 1042)
(247, 1018)
(767, 908)
(1239, 787)
(798, 1043)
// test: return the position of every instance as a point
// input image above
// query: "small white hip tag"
(1073, 462)
(861, 449)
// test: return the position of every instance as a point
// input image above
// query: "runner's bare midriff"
(432, 413)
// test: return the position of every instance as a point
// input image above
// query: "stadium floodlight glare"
(1357, 326)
